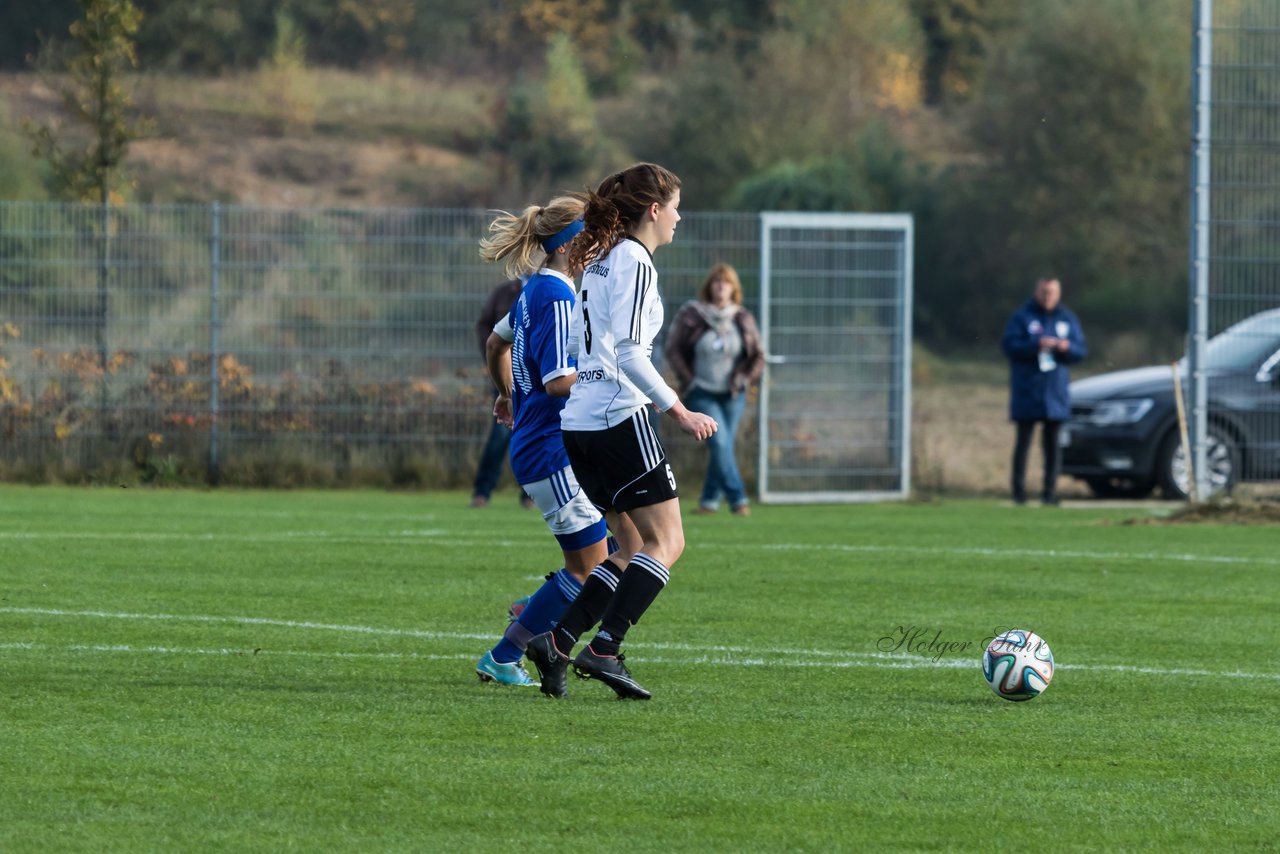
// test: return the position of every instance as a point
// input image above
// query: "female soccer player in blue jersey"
(619, 460)
(529, 360)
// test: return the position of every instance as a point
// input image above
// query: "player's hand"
(698, 425)
(1063, 345)
(1048, 342)
(502, 411)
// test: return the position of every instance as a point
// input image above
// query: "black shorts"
(623, 467)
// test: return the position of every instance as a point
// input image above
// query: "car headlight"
(1121, 411)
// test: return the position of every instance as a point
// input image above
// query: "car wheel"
(1220, 457)
(1119, 487)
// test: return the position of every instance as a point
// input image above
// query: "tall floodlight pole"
(1198, 302)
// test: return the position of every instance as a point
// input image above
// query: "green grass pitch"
(252, 671)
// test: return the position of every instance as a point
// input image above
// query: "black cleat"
(611, 671)
(552, 665)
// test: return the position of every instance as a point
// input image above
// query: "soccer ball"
(1018, 665)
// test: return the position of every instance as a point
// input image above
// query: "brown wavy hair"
(517, 239)
(616, 207)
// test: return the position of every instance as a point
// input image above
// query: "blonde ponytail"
(518, 241)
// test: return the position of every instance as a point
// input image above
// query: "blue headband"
(564, 235)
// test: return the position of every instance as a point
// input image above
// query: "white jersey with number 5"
(618, 300)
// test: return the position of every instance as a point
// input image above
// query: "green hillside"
(1024, 137)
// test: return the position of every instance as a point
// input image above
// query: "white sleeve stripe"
(561, 309)
(559, 334)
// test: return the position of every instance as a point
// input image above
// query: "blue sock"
(544, 608)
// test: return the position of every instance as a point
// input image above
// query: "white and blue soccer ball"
(1018, 665)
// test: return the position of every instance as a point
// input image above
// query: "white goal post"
(835, 315)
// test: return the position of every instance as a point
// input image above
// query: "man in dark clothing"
(496, 307)
(1040, 340)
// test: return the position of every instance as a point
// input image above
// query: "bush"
(876, 175)
(75, 420)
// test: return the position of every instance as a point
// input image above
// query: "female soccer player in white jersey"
(620, 462)
(530, 363)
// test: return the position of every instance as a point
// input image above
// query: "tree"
(283, 78)
(957, 36)
(515, 25)
(874, 174)
(550, 133)
(815, 81)
(205, 36)
(24, 26)
(93, 95)
(1080, 168)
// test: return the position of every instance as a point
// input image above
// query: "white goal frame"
(899, 241)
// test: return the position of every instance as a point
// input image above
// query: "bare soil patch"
(1262, 510)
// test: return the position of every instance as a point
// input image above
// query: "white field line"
(275, 653)
(733, 656)
(255, 621)
(210, 536)
(442, 536)
(399, 538)
(1042, 553)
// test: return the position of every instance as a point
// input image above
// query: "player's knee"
(672, 546)
(580, 564)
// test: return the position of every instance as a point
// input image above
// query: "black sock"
(585, 610)
(640, 585)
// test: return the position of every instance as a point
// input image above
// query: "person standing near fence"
(611, 445)
(715, 350)
(1040, 340)
(528, 358)
(489, 469)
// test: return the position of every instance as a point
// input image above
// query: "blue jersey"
(539, 354)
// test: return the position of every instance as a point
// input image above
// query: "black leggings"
(1052, 457)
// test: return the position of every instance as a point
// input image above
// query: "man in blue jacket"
(1040, 340)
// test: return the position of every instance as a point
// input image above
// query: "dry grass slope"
(303, 138)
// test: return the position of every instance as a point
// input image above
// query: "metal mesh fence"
(1235, 392)
(264, 347)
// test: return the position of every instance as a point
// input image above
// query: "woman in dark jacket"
(714, 348)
